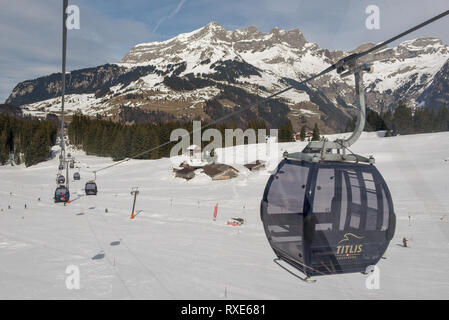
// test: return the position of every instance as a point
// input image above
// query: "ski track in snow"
(174, 250)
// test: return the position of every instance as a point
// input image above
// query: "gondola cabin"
(327, 217)
(61, 166)
(91, 188)
(76, 176)
(60, 179)
(62, 194)
(72, 165)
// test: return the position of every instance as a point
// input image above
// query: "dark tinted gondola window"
(90, 186)
(344, 202)
(324, 191)
(371, 196)
(356, 204)
(386, 211)
(61, 192)
(285, 203)
(288, 189)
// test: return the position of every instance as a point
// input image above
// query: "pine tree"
(302, 133)
(119, 151)
(388, 120)
(423, 120)
(371, 121)
(4, 152)
(38, 150)
(403, 119)
(17, 150)
(286, 132)
(350, 125)
(441, 121)
(316, 133)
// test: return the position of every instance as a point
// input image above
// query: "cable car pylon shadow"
(77, 198)
(138, 212)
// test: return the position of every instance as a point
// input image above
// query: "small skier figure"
(404, 242)
(9, 207)
(38, 199)
(25, 205)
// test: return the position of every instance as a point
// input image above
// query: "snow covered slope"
(174, 249)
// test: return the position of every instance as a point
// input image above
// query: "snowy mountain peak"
(214, 26)
(212, 42)
(422, 43)
(183, 74)
(422, 46)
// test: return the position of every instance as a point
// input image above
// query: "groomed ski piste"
(173, 249)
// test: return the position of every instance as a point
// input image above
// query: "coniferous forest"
(106, 138)
(112, 139)
(404, 120)
(28, 140)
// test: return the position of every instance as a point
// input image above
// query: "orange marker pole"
(134, 193)
(215, 211)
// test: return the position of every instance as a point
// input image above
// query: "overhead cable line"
(339, 66)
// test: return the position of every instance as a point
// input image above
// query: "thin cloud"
(30, 44)
(171, 15)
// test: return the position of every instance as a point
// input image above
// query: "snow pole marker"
(134, 192)
(215, 211)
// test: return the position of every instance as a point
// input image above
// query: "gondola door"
(282, 211)
(321, 221)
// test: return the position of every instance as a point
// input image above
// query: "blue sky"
(30, 30)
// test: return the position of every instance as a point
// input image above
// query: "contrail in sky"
(171, 15)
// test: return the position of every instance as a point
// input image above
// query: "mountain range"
(211, 71)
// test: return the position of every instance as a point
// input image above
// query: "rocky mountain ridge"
(183, 76)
